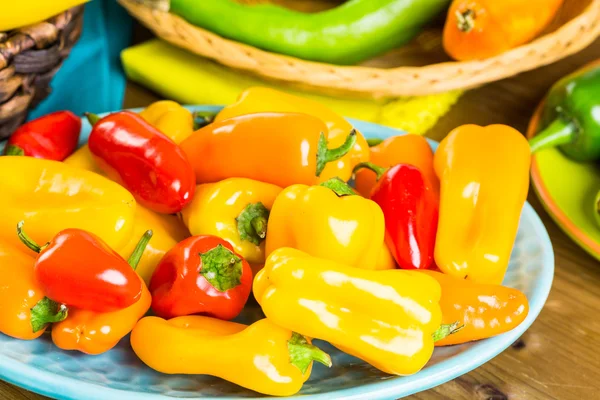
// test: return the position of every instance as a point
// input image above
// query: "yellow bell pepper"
(170, 118)
(329, 221)
(51, 196)
(484, 175)
(235, 209)
(262, 99)
(16, 14)
(262, 357)
(167, 230)
(389, 319)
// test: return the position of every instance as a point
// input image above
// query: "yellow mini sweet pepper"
(235, 209)
(262, 357)
(170, 118)
(263, 99)
(51, 196)
(389, 319)
(329, 221)
(484, 175)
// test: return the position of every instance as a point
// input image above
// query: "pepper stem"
(138, 252)
(203, 118)
(379, 171)
(252, 223)
(45, 312)
(12, 150)
(326, 155)
(465, 20)
(302, 353)
(27, 241)
(338, 186)
(557, 133)
(446, 330)
(92, 118)
(374, 141)
(222, 268)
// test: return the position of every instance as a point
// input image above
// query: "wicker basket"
(29, 58)
(576, 26)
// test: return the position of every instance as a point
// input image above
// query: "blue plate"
(40, 367)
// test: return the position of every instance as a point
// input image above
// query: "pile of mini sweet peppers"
(258, 201)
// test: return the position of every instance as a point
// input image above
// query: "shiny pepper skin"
(482, 310)
(484, 173)
(145, 161)
(170, 118)
(262, 357)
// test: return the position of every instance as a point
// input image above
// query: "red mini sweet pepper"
(201, 275)
(52, 137)
(410, 207)
(145, 161)
(80, 270)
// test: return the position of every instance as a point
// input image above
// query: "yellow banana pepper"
(263, 99)
(262, 357)
(170, 118)
(484, 175)
(235, 209)
(16, 14)
(329, 221)
(51, 196)
(389, 319)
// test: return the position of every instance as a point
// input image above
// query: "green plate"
(568, 192)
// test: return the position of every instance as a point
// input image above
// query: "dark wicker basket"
(29, 58)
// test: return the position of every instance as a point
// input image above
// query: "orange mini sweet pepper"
(482, 310)
(403, 149)
(97, 332)
(484, 174)
(263, 99)
(25, 312)
(278, 148)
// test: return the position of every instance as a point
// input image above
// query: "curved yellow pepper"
(386, 318)
(51, 196)
(235, 209)
(315, 219)
(263, 99)
(484, 175)
(262, 357)
(170, 118)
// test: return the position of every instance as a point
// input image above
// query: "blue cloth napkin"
(91, 78)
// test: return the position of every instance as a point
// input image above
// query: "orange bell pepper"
(484, 172)
(483, 311)
(278, 148)
(477, 29)
(24, 310)
(263, 99)
(404, 149)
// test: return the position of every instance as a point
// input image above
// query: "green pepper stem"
(45, 312)
(379, 171)
(446, 330)
(203, 118)
(374, 141)
(222, 268)
(12, 150)
(92, 118)
(302, 353)
(557, 133)
(252, 223)
(338, 186)
(136, 255)
(27, 241)
(465, 20)
(326, 155)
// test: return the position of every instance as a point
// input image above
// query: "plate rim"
(66, 388)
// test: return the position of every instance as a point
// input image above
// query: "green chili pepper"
(350, 33)
(570, 117)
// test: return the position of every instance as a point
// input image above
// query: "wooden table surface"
(559, 356)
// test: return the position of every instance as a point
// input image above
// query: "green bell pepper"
(570, 118)
(347, 34)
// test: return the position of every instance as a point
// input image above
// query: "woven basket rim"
(568, 39)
